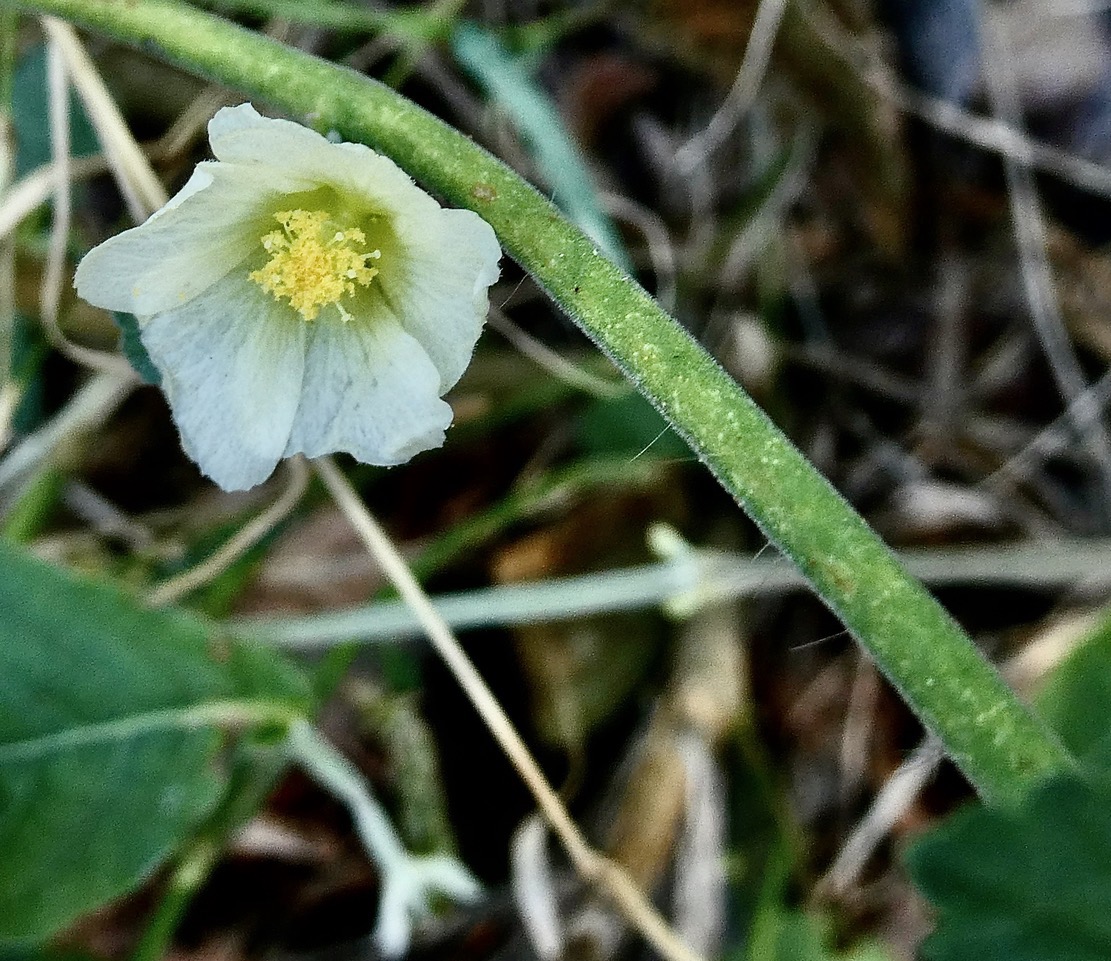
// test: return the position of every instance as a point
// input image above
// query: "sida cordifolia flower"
(300, 296)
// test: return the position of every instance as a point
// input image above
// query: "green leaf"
(793, 935)
(134, 350)
(628, 426)
(30, 348)
(1032, 884)
(31, 120)
(798, 937)
(112, 720)
(1075, 699)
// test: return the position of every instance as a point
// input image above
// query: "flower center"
(314, 262)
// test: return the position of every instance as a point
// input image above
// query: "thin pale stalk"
(588, 862)
(98, 397)
(680, 584)
(175, 588)
(989, 734)
(7, 176)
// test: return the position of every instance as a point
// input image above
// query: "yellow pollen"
(312, 266)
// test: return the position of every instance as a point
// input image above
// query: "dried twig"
(175, 588)
(591, 865)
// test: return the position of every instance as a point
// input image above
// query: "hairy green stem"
(995, 741)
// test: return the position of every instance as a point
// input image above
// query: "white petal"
(369, 390)
(440, 297)
(231, 363)
(240, 135)
(210, 226)
(437, 282)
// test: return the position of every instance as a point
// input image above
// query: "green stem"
(190, 873)
(995, 741)
(410, 24)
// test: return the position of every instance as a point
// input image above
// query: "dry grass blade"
(95, 401)
(172, 590)
(1031, 236)
(984, 132)
(750, 75)
(890, 804)
(1083, 409)
(32, 190)
(552, 362)
(589, 863)
(54, 278)
(141, 188)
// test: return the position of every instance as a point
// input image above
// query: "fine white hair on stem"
(142, 190)
(591, 865)
(1030, 235)
(754, 65)
(172, 590)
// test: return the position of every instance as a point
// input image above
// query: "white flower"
(300, 296)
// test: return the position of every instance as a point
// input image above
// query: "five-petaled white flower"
(300, 296)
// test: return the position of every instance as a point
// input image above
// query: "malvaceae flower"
(300, 296)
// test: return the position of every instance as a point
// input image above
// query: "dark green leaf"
(133, 349)
(112, 719)
(30, 348)
(1027, 885)
(31, 120)
(1076, 697)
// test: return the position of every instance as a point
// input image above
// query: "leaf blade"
(112, 723)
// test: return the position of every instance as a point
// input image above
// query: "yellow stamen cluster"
(314, 262)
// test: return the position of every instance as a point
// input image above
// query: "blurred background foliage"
(823, 193)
